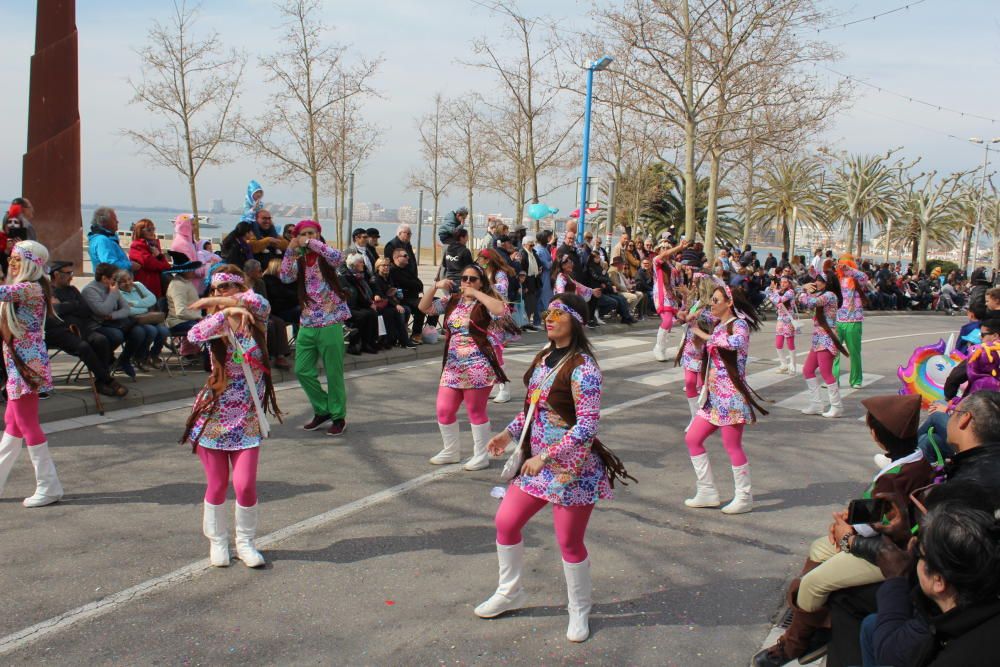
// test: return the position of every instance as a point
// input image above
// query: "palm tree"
(665, 208)
(862, 192)
(790, 186)
(929, 205)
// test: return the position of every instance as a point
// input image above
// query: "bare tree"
(526, 80)
(436, 173)
(465, 147)
(308, 78)
(507, 172)
(188, 83)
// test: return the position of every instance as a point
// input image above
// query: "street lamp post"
(596, 66)
(982, 193)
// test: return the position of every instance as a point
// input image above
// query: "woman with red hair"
(146, 251)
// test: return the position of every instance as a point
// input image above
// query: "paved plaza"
(377, 558)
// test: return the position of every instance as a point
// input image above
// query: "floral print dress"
(234, 424)
(501, 284)
(324, 307)
(465, 366)
(666, 276)
(821, 340)
(28, 302)
(562, 282)
(691, 352)
(574, 475)
(785, 325)
(853, 308)
(726, 406)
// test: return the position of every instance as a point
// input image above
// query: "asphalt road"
(377, 558)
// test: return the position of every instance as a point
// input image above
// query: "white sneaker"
(503, 396)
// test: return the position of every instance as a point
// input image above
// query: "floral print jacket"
(323, 306)
(726, 406)
(821, 340)
(782, 301)
(28, 302)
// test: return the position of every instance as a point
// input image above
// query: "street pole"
(982, 192)
(612, 190)
(594, 67)
(888, 237)
(350, 202)
(795, 227)
(420, 224)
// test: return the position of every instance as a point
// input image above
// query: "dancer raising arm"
(25, 301)
(311, 264)
(229, 417)
(564, 465)
(851, 316)
(470, 368)
(782, 295)
(665, 300)
(728, 402)
(823, 294)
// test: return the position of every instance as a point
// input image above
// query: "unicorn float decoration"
(928, 369)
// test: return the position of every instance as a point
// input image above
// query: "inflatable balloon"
(927, 370)
(539, 211)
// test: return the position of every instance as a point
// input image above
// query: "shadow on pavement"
(186, 493)
(458, 541)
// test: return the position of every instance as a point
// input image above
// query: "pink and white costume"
(665, 279)
(784, 328)
(563, 284)
(822, 352)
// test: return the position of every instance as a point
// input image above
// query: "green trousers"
(326, 343)
(849, 334)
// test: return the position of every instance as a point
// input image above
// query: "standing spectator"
(103, 243)
(530, 286)
(86, 343)
(817, 261)
(111, 313)
(457, 256)
(141, 302)
(544, 257)
(266, 244)
(490, 238)
(18, 218)
(453, 221)
(402, 240)
(236, 245)
(147, 253)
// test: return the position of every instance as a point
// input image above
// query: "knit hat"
(900, 415)
(307, 224)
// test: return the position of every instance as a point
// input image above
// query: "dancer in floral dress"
(564, 464)
(823, 294)
(727, 402)
(311, 264)
(229, 418)
(697, 314)
(666, 301)
(782, 295)
(499, 273)
(473, 329)
(851, 316)
(25, 301)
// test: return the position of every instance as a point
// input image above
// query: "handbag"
(512, 468)
(152, 317)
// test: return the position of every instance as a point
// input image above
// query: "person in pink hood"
(183, 241)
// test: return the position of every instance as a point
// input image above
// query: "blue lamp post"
(597, 66)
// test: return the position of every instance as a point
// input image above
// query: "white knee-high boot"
(48, 490)
(791, 362)
(579, 592)
(246, 532)
(510, 595)
(707, 495)
(10, 449)
(693, 407)
(783, 361)
(742, 498)
(503, 394)
(815, 402)
(836, 404)
(215, 526)
(450, 452)
(660, 349)
(480, 437)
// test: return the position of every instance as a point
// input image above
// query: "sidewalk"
(74, 400)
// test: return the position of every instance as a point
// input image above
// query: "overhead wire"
(871, 18)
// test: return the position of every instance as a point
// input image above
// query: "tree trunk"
(712, 218)
(314, 184)
(470, 185)
(923, 248)
(434, 229)
(914, 251)
(966, 246)
(690, 184)
(851, 224)
(195, 226)
(786, 240)
(861, 240)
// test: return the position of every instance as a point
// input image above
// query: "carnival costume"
(851, 316)
(824, 349)
(783, 299)
(665, 301)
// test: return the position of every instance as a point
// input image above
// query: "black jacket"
(411, 285)
(396, 242)
(980, 465)
(71, 309)
(456, 257)
(282, 296)
(359, 292)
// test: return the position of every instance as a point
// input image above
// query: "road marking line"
(801, 400)
(107, 605)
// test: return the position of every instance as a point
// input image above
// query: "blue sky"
(944, 51)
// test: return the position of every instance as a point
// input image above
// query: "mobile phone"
(866, 510)
(456, 286)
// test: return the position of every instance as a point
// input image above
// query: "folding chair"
(76, 372)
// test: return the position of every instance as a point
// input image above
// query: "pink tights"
(475, 401)
(667, 320)
(216, 463)
(779, 342)
(21, 419)
(824, 360)
(692, 383)
(517, 507)
(732, 439)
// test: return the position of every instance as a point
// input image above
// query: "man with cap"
(74, 331)
(832, 563)
(372, 249)
(452, 222)
(360, 239)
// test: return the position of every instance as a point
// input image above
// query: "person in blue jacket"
(253, 203)
(102, 241)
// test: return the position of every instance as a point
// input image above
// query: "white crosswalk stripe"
(603, 345)
(801, 400)
(673, 374)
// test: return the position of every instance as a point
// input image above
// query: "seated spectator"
(635, 299)
(147, 253)
(405, 279)
(277, 329)
(236, 245)
(831, 565)
(361, 303)
(266, 243)
(74, 330)
(142, 307)
(609, 300)
(644, 284)
(110, 312)
(283, 297)
(181, 293)
(389, 305)
(102, 241)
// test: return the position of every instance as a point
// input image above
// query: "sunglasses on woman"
(470, 279)
(554, 314)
